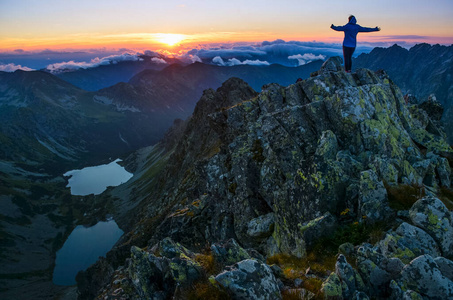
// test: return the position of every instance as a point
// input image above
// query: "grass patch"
(402, 197)
(356, 233)
(321, 259)
(208, 263)
(207, 291)
(293, 294)
(319, 262)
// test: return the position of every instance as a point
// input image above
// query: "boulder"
(444, 171)
(148, 275)
(386, 170)
(373, 201)
(327, 145)
(348, 276)
(445, 266)
(408, 242)
(319, 227)
(430, 214)
(332, 288)
(333, 64)
(423, 276)
(168, 248)
(346, 249)
(250, 279)
(261, 227)
(229, 253)
(374, 269)
(360, 296)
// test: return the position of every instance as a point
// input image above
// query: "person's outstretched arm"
(337, 28)
(368, 29)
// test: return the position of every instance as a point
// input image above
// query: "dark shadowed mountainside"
(50, 126)
(93, 79)
(329, 188)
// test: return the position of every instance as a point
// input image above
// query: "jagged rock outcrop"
(422, 71)
(429, 66)
(278, 171)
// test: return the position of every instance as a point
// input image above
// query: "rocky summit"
(333, 187)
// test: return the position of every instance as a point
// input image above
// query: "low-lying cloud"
(12, 67)
(95, 62)
(292, 53)
(306, 58)
(158, 60)
(236, 62)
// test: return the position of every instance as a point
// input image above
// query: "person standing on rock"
(350, 39)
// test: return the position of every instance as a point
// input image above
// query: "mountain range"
(332, 187)
(421, 70)
(246, 154)
(95, 78)
(50, 126)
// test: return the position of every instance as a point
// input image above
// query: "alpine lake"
(85, 245)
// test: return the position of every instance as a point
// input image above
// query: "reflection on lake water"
(95, 180)
(83, 248)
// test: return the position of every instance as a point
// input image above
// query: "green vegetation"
(207, 291)
(208, 263)
(402, 197)
(321, 259)
(319, 262)
(356, 233)
(207, 287)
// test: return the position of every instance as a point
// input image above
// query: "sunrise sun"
(169, 39)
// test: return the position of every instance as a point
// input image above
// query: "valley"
(50, 127)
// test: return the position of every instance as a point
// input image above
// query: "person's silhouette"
(350, 39)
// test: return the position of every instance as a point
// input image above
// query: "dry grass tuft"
(402, 197)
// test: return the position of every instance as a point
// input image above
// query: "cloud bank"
(158, 60)
(12, 67)
(292, 53)
(95, 62)
(306, 58)
(236, 62)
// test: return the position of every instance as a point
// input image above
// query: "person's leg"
(350, 58)
(347, 54)
(345, 58)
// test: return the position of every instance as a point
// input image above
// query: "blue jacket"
(350, 32)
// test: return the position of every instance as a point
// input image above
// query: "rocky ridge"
(423, 71)
(260, 186)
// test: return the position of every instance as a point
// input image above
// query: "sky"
(173, 26)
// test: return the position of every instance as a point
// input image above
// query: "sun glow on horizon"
(169, 39)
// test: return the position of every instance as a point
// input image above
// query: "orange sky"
(139, 24)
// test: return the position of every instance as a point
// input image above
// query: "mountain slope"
(277, 173)
(46, 119)
(203, 76)
(172, 92)
(421, 70)
(96, 78)
(49, 127)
